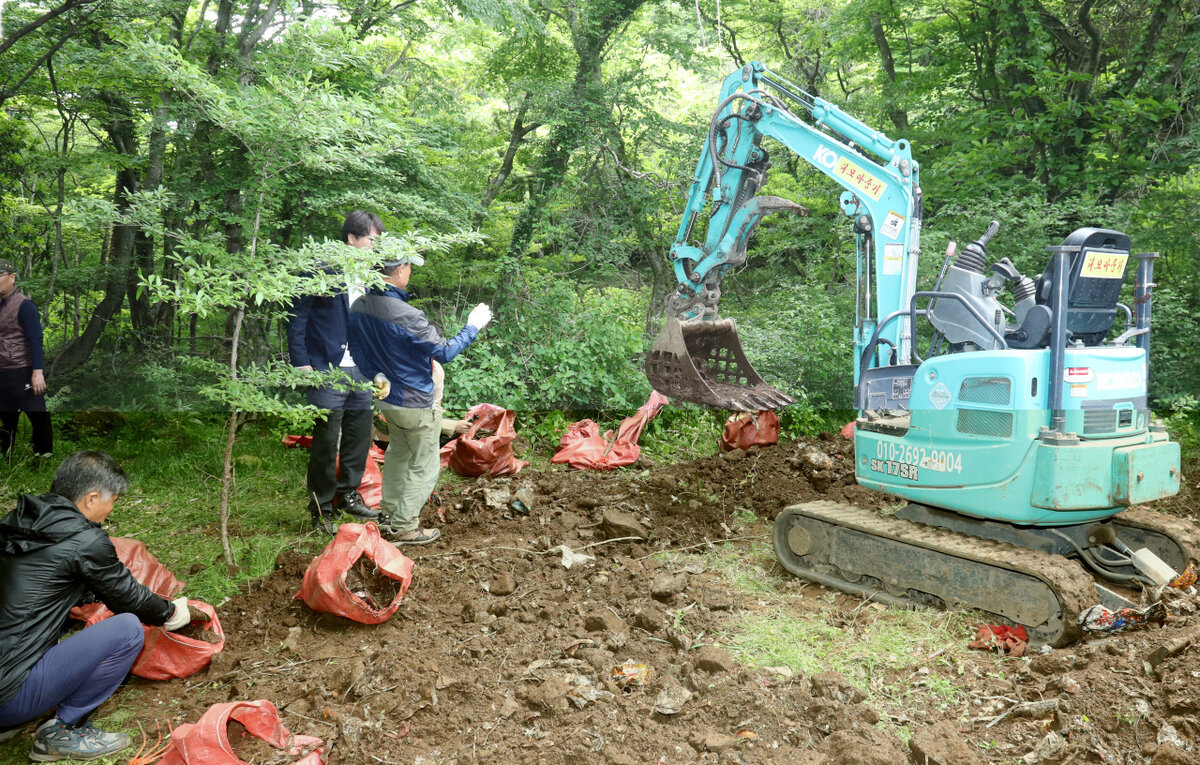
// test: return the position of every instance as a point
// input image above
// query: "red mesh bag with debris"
(472, 456)
(145, 568)
(166, 655)
(358, 575)
(371, 486)
(583, 448)
(745, 430)
(209, 742)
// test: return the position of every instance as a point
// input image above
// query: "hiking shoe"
(10, 734)
(417, 536)
(324, 522)
(353, 503)
(56, 741)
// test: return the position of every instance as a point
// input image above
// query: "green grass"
(884, 651)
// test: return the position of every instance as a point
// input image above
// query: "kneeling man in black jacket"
(53, 554)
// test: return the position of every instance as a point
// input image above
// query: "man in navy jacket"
(389, 336)
(341, 437)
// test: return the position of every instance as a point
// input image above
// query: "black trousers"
(340, 442)
(16, 396)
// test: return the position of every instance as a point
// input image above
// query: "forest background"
(171, 169)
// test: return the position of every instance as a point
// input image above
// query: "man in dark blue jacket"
(341, 437)
(53, 554)
(389, 336)
(22, 382)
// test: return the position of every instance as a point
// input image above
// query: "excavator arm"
(699, 357)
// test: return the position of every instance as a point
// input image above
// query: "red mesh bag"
(324, 586)
(166, 655)
(371, 487)
(745, 430)
(471, 456)
(207, 742)
(583, 448)
(145, 568)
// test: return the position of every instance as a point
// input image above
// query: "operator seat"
(1095, 275)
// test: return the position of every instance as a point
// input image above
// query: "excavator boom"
(699, 357)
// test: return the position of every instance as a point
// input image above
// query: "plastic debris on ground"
(472, 456)
(207, 741)
(745, 430)
(583, 448)
(324, 586)
(631, 674)
(1100, 619)
(1012, 641)
(570, 557)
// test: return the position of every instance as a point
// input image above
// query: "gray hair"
(84, 472)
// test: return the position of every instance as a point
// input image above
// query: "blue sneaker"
(56, 741)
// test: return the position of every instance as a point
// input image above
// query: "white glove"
(480, 316)
(181, 618)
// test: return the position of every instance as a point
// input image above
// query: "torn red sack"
(472, 456)
(145, 568)
(998, 637)
(745, 430)
(207, 741)
(583, 448)
(325, 587)
(166, 655)
(371, 486)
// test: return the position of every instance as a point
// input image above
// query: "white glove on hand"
(181, 618)
(480, 316)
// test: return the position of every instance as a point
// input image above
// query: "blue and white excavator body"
(1021, 435)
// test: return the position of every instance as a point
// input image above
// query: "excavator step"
(702, 361)
(904, 563)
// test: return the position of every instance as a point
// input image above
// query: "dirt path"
(501, 654)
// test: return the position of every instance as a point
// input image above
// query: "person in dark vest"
(22, 379)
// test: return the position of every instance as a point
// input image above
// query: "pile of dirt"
(372, 586)
(196, 631)
(250, 749)
(553, 634)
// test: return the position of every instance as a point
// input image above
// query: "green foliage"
(555, 348)
(1183, 424)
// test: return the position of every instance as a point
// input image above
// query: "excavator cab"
(702, 361)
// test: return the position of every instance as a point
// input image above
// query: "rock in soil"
(942, 744)
(617, 524)
(666, 587)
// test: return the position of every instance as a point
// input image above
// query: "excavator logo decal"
(825, 157)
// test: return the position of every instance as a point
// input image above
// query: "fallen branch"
(1027, 709)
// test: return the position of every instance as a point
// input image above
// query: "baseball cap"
(399, 260)
(7, 267)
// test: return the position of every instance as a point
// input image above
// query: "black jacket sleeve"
(113, 583)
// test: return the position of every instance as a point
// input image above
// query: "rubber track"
(1185, 531)
(1068, 580)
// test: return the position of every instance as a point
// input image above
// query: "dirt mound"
(509, 649)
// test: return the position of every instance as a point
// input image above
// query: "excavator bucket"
(703, 362)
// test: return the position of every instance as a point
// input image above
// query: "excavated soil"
(501, 654)
(368, 583)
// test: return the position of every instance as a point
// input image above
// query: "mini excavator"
(1021, 438)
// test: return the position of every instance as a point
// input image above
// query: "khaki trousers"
(410, 470)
